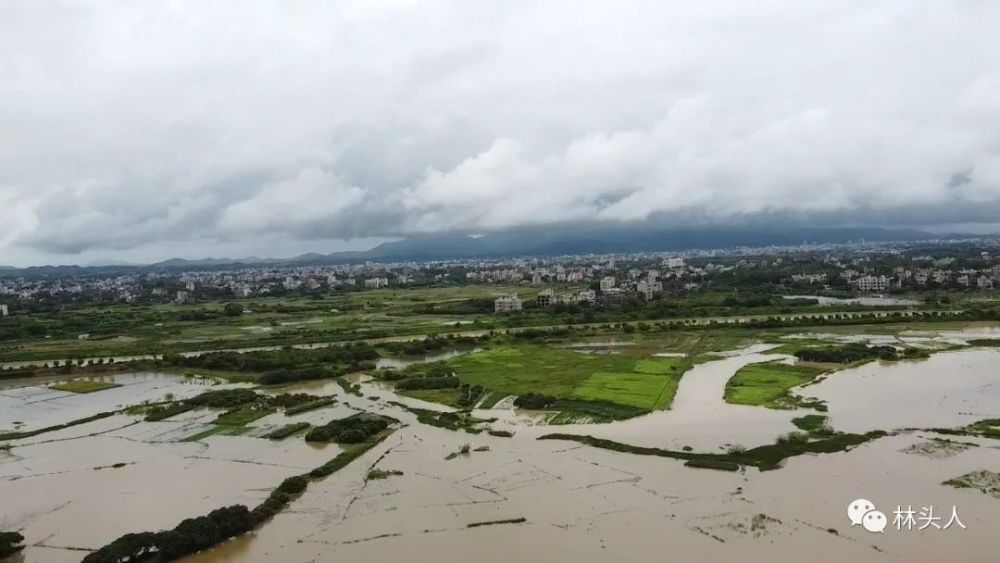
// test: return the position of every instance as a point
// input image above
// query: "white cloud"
(190, 123)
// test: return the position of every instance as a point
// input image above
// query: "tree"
(233, 309)
(10, 543)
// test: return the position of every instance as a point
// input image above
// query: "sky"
(137, 131)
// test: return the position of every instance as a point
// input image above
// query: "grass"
(241, 417)
(448, 397)
(287, 430)
(764, 458)
(768, 384)
(161, 412)
(30, 433)
(313, 405)
(648, 383)
(85, 386)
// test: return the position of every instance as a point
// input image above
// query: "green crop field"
(516, 370)
(765, 384)
(84, 386)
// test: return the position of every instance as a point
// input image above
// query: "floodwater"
(579, 503)
(585, 504)
(400, 363)
(949, 389)
(870, 301)
(33, 407)
(699, 417)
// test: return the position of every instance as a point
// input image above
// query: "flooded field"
(73, 490)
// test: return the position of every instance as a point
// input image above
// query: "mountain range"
(539, 241)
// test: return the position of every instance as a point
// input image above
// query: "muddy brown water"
(580, 503)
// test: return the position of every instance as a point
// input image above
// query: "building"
(242, 291)
(182, 296)
(647, 288)
(544, 299)
(507, 304)
(872, 284)
(3, 310)
(607, 282)
(586, 296)
(376, 283)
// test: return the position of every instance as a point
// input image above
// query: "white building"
(647, 288)
(3, 310)
(607, 282)
(872, 284)
(507, 304)
(182, 296)
(376, 283)
(544, 299)
(674, 263)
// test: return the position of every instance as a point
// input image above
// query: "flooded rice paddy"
(76, 489)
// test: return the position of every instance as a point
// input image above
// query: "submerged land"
(733, 420)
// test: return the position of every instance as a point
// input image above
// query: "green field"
(767, 384)
(85, 386)
(648, 383)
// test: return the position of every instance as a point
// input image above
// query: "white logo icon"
(856, 510)
(875, 521)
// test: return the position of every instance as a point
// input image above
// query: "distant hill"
(550, 242)
(540, 241)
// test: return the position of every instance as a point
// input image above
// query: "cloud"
(126, 125)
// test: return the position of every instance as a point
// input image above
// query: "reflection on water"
(38, 407)
(400, 363)
(947, 390)
(870, 301)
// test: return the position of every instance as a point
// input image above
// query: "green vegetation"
(987, 482)
(856, 352)
(764, 458)
(224, 398)
(197, 534)
(986, 428)
(349, 454)
(163, 412)
(287, 430)
(354, 429)
(459, 420)
(420, 383)
(241, 416)
(604, 386)
(10, 543)
(190, 536)
(717, 464)
(816, 425)
(349, 388)
(85, 386)
(308, 406)
(495, 522)
(285, 365)
(376, 474)
(767, 384)
(30, 433)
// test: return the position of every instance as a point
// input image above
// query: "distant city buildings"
(607, 282)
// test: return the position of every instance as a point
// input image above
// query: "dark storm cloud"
(126, 124)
